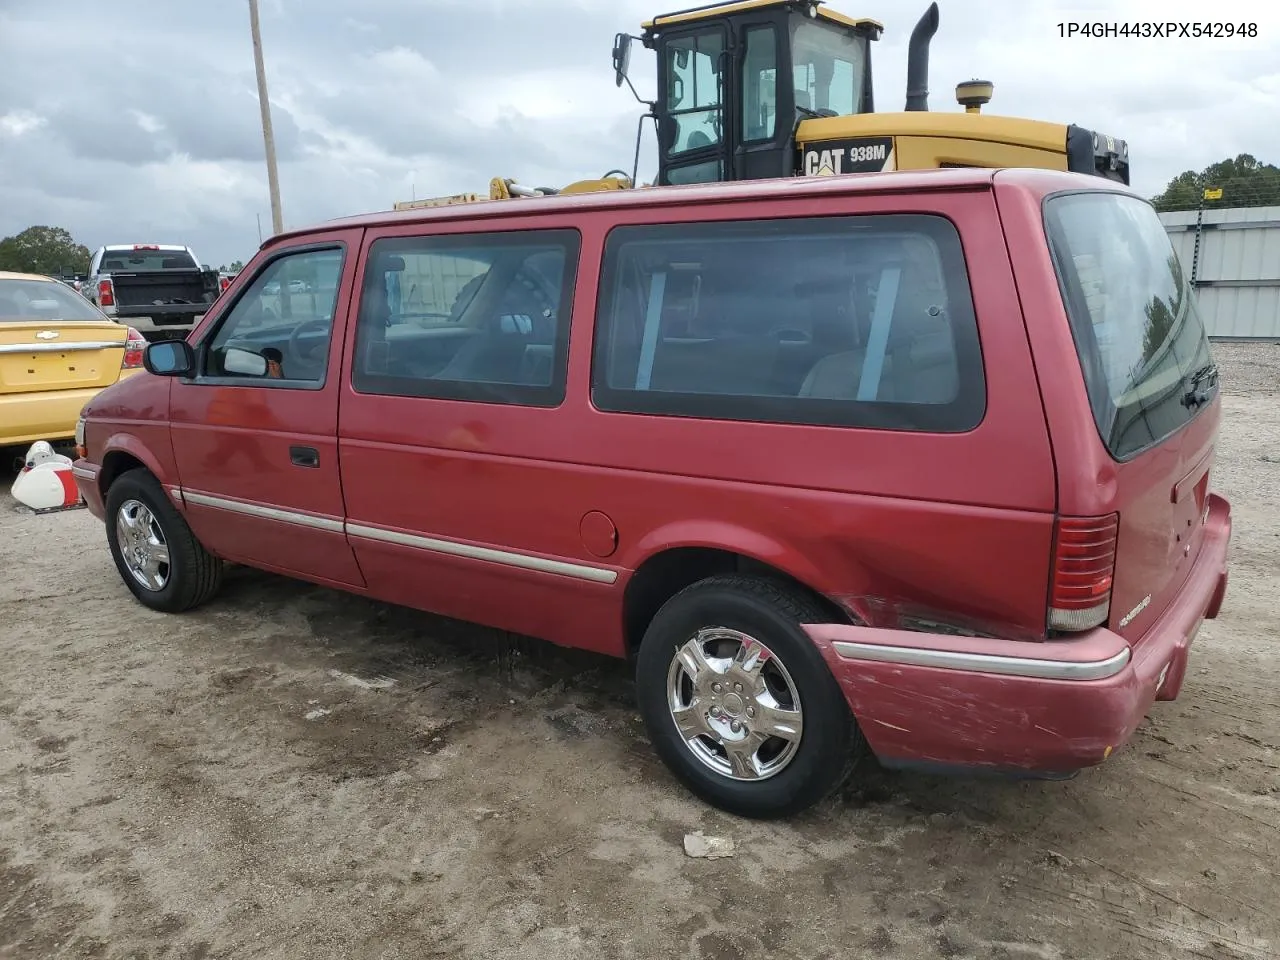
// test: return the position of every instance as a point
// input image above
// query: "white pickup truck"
(159, 289)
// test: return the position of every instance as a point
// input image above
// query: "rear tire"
(158, 557)
(767, 731)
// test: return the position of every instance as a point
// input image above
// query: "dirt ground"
(295, 773)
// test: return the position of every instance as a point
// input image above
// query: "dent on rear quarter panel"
(867, 555)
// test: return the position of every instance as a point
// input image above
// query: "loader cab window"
(760, 85)
(829, 66)
(695, 90)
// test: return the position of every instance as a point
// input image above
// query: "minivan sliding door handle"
(304, 456)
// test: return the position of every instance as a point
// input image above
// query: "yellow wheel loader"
(756, 89)
(753, 89)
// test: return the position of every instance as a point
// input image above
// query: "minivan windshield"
(1140, 338)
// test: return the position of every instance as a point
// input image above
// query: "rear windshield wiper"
(1196, 395)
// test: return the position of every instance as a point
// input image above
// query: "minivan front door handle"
(304, 456)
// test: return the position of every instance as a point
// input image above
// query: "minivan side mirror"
(169, 358)
(621, 57)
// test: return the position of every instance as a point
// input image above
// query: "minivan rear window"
(1141, 341)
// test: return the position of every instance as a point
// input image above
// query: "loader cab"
(734, 79)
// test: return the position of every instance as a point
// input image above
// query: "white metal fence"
(1236, 269)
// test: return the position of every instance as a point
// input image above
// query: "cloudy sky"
(139, 121)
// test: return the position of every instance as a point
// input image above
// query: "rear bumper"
(44, 415)
(935, 701)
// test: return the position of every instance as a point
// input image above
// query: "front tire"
(158, 557)
(739, 703)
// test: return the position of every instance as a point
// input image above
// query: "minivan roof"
(1037, 181)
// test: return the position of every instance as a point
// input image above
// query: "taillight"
(133, 347)
(223, 283)
(106, 294)
(1084, 562)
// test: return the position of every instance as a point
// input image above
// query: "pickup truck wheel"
(739, 703)
(158, 557)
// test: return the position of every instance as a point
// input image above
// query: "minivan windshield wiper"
(1196, 395)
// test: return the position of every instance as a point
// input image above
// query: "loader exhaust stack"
(918, 60)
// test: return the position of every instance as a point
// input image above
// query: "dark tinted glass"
(849, 321)
(1133, 316)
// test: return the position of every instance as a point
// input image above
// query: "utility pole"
(268, 138)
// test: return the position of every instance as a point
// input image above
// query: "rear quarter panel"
(949, 528)
(1159, 536)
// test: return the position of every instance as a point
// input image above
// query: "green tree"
(48, 250)
(1244, 181)
(235, 267)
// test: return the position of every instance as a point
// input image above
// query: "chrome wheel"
(142, 545)
(734, 704)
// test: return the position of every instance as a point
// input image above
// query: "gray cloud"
(143, 125)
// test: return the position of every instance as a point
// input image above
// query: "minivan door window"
(285, 318)
(475, 317)
(1143, 347)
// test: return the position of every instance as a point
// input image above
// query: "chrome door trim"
(330, 524)
(524, 561)
(578, 571)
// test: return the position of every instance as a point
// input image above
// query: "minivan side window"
(284, 318)
(856, 321)
(481, 317)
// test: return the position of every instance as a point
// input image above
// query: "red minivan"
(914, 464)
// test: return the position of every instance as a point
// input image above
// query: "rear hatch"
(52, 339)
(1152, 387)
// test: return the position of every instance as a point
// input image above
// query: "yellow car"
(57, 350)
